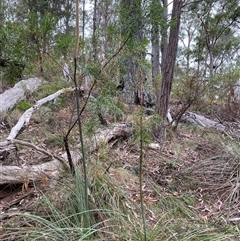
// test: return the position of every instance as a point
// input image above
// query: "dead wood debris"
(230, 129)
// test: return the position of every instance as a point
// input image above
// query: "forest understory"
(190, 180)
(119, 120)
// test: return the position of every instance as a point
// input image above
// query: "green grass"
(113, 214)
(23, 106)
(49, 88)
(114, 211)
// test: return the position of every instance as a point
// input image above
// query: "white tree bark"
(25, 118)
(236, 90)
(11, 97)
(15, 173)
(52, 169)
(32, 173)
(28, 173)
(231, 129)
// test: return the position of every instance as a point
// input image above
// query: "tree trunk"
(2, 3)
(11, 97)
(155, 49)
(94, 37)
(131, 20)
(155, 46)
(168, 70)
(164, 36)
(211, 59)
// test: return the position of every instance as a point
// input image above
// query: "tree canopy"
(205, 44)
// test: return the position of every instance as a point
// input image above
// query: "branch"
(25, 118)
(94, 83)
(25, 143)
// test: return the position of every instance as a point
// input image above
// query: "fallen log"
(11, 174)
(230, 129)
(21, 174)
(44, 171)
(5, 149)
(25, 118)
(53, 168)
(8, 146)
(109, 135)
(38, 172)
(11, 97)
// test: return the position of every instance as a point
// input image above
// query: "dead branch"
(16, 174)
(25, 143)
(108, 135)
(230, 129)
(25, 118)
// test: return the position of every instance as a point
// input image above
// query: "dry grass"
(191, 185)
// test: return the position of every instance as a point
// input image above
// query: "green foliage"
(188, 89)
(94, 68)
(27, 42)
(65, 224)
(104, 105)
(64, 44)
(131, 17)
(23, 106)
(12, 52)
(155, 13)
(12, 72)
(12, 39)
(220, 85)
(213, 39)
(49, 88)
(142, 131)
(113, 214)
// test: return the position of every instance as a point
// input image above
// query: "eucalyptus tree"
(12, 47)
(217, 37)
(164, 34)
(94, 31)
(104, 28)
(2, 17)
(2, 7)
(159, 36)
(168, 69)
(28, 40)
(156, 19)
(131, 20)
(187, 44)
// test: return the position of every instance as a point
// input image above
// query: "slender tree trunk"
(105, 24)
(164, 35)
(1, 23)
(1, 13)
(211, 59)
(94, 37)
(83, 20)
(131, 18)
(168, 70)
(188, 57)
(155, 49)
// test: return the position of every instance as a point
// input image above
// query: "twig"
(107, 170)
(141, 164)
(95, 82)
(25, 143)
(233, 219)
